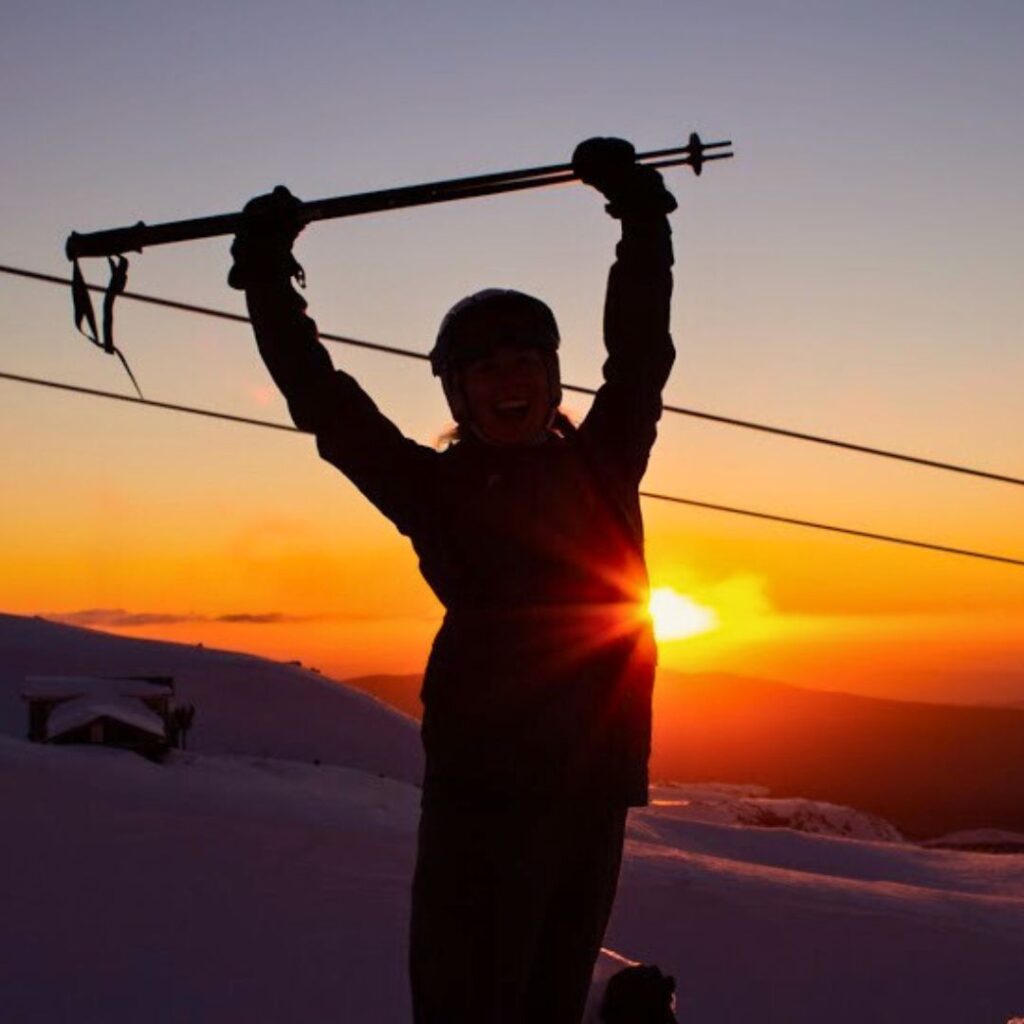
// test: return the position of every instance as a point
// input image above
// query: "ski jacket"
(540, 679)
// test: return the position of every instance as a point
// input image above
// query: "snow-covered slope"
(206, 889)
(244, 704)
(225, 886)
(218, 888)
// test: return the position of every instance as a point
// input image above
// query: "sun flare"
(677, 616)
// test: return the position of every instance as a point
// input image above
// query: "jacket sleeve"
(622, 421)
(351, 432)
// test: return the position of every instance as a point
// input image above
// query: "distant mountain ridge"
(400, 691)
(928, 768)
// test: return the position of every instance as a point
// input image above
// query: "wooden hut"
(136, 713)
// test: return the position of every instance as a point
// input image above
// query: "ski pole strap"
(118, 280)
(82, 304)
(84, 313)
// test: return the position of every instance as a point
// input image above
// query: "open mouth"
(513, 410)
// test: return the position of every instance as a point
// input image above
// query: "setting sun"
(677, 616)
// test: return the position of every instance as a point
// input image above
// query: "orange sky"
(854, 272)
(238, 538)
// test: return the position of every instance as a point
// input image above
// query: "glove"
(634, 191)
(262, 249)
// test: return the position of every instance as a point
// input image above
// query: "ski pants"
(509, 908)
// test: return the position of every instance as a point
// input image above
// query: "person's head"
(496, 355)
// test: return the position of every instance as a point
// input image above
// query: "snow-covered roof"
(63, 687)
(81, 711)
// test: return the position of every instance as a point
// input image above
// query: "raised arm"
(623, 419)
(351, 432)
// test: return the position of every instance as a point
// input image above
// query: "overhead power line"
(867, 534)
(674, 499)
(796, 435)
(214, 414)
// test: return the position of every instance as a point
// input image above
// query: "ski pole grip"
(105, 243)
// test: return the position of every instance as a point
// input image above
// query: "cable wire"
(796, 435)
(192, 410)
(674, 499)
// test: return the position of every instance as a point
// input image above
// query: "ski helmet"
(484, 321)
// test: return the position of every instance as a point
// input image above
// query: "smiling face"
(507, 394)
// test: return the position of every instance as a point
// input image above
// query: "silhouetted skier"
(537, 693)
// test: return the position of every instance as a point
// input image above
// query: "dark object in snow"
(179, 722)
(639, 995)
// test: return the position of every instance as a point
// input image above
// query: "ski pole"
(135, 238)
(115, 242)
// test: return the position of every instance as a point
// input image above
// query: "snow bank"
(750, 805)
(982, 840)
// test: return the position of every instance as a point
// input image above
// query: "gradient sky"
(855, 271)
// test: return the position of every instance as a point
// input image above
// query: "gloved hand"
(634, 191)
(262, 249)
